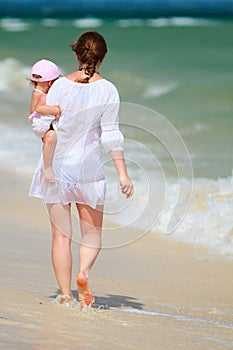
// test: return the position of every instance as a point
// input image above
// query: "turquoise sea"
(175, 78)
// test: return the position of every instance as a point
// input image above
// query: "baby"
(43, 75)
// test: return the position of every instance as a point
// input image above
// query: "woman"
(89, 116)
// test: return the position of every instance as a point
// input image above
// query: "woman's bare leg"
(91, 227)
(60, 218)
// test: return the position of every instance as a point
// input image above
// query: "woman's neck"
(96, 76)
(77, 76)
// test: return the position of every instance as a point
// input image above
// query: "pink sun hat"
(46, 69)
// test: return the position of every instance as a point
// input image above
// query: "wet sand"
(154, 293)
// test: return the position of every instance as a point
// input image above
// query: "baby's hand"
(58, 114)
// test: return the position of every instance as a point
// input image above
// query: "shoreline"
(155, 293)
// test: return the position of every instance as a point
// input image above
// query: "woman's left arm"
(113, 143)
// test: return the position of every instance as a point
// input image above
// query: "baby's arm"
(44, 109)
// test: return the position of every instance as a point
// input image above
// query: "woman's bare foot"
(66, 300)
(48, 174)
(86, 297)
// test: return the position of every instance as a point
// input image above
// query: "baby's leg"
(49, 143)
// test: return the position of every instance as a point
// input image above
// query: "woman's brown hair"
(90, 49)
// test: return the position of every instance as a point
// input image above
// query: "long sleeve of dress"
(111, 137)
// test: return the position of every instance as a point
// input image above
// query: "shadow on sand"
(117, 301)
(112, 301)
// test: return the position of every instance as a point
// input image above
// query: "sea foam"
(88, 23)
(203, 219)
(180, 22)
(158, 90)
(208, 221)
(13, 75)
(14, 25)
(19, 148)
(166, 22)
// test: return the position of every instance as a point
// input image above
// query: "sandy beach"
(155, 293)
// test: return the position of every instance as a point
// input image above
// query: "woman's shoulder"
(109, 86)
(57, 84)
(108, 83)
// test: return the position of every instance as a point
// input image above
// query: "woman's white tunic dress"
(88, 120)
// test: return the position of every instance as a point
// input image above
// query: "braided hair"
(90, 49)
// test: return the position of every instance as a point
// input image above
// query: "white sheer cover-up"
(89, 119)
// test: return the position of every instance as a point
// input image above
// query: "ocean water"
(175, 78)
